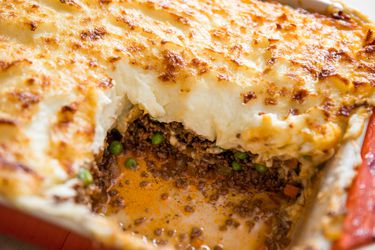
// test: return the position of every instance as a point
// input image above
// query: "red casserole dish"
(358, 230)
(359, 225)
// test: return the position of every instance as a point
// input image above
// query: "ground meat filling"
(187, 159)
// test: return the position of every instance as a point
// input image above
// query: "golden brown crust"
(297, 77)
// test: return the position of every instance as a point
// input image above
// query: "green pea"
(157, 138)
(115, 148)
(307, 157)
(236, 166)
(240, 155)
(130, 163)
(85, 176)
(260, 168)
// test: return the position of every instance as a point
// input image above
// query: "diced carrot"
(292, 164)
(291, 191)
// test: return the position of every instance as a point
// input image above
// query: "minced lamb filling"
(171, 186)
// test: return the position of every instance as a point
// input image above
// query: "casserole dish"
(174, 63)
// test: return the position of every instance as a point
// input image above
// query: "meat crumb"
(171, 233)
(144, 183)
(196, 232)
(139, 221)
(189, 209)
(158, 231)
(164, 196)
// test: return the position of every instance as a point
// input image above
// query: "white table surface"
(365, 6)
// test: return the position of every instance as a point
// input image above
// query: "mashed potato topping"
(252, 75)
